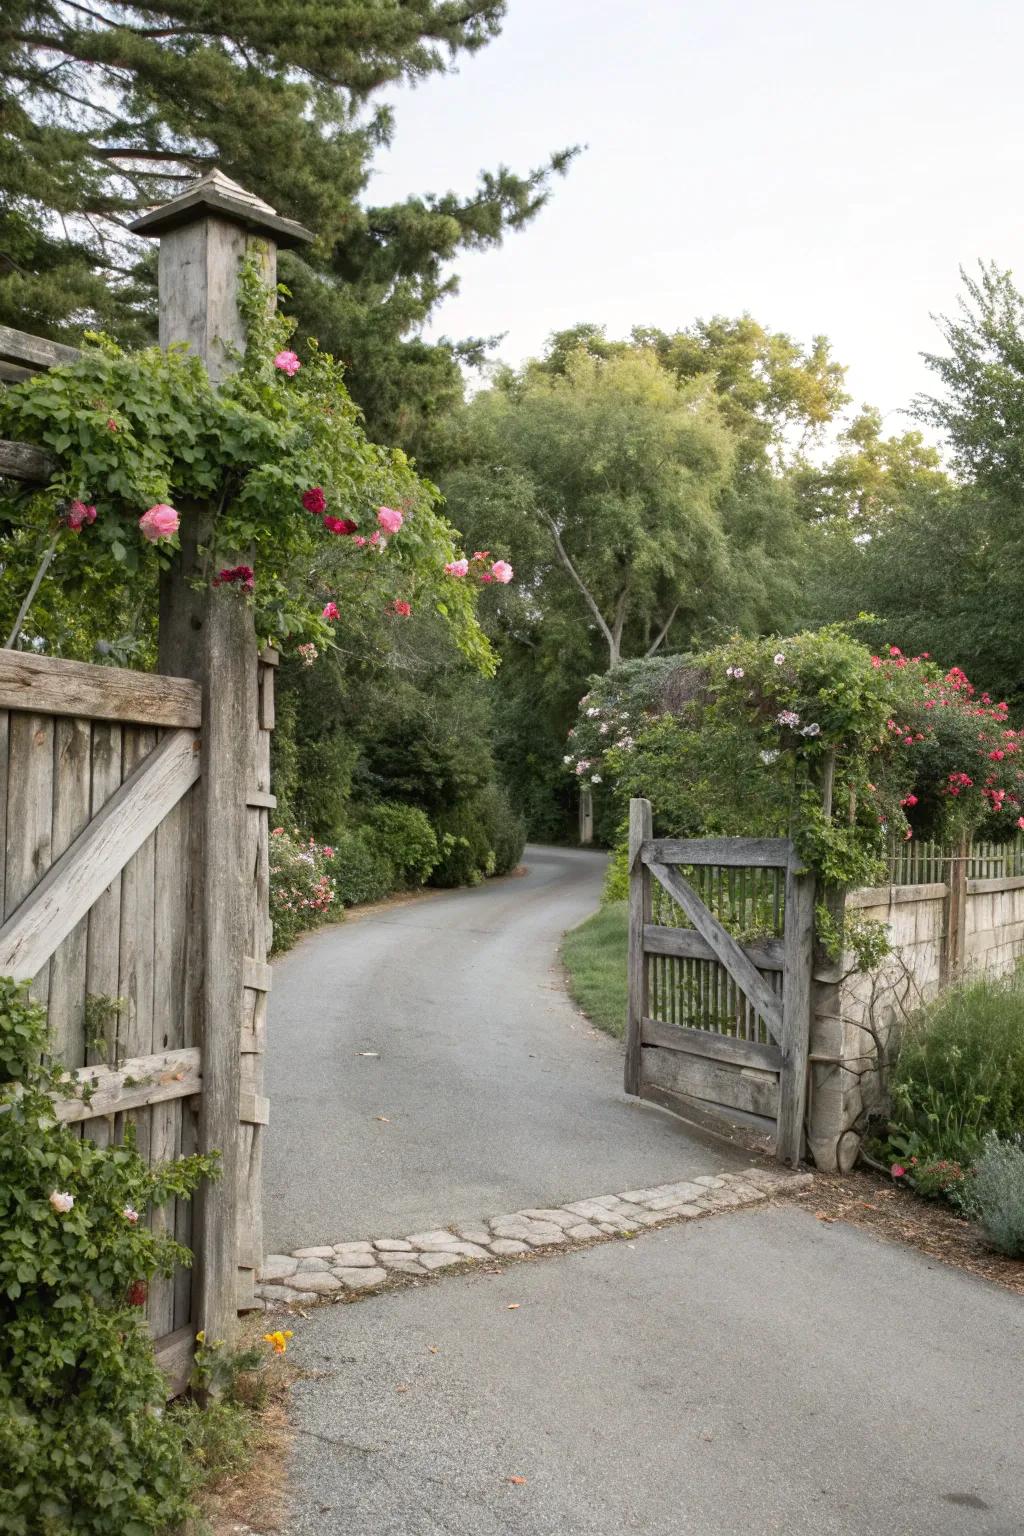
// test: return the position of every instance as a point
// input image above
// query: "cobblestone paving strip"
(345, 1271)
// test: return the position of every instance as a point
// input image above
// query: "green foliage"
(864, 938)
(83, 1440)
(103, 115)
(363, 872)
(506, 829)
(995, 1193)
(665, 465)
(959, 1074)
(130, 430)
(749, 732)
(303, 885)
(594, 955)
(483, 836)
(404, 836)
(610, 470)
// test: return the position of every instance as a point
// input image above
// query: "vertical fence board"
(72, 790)
(137, 940)
(104, 922)
(171, 912)
(29, 816)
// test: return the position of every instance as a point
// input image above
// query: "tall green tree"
(603, 480)
(108, 109)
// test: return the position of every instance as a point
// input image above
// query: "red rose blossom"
(314, 500)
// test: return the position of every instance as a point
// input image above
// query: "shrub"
(482, 836)
(84, 1443)
(303, 890)
(466, 852)
(363, 871)
(995, 1193)
(404, 836)
(506, 829)
(959, 1074)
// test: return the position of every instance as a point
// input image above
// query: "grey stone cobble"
(351, 1268)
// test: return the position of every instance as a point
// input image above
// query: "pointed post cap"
(218, 195)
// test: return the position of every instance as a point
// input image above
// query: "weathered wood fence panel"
(97, 901)
(720, 959)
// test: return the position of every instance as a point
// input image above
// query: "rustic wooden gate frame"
(788, 1020)
(208, 659)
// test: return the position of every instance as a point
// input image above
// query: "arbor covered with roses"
(812, 737)
(327, 523)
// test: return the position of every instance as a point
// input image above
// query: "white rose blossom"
(61, 1201)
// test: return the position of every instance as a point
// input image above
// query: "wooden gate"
(102, 864)
(720, 956)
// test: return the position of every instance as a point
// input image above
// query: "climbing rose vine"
(306, 506)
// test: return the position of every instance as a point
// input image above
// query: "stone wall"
(940, 933)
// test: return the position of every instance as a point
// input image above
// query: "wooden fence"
(134, 836)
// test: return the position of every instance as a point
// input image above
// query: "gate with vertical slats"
(720, 954)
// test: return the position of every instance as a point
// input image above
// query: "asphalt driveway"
(485, 1091)
(756, 1373)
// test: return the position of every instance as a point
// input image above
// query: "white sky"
(825, 165)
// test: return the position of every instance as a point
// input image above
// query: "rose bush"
(319, 513)
(84, 1443)
(753, 737)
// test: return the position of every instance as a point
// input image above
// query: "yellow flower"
(279, 1339)
(201, 1336)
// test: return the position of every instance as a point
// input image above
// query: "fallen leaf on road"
(516, 1480)
(384, 1119)
(822, 1217)
(402, 1387)
(369, 1053)
(433, 1349)
(513, 1306)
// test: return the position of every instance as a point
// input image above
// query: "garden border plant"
(84, 1440)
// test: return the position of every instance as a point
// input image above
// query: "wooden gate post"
(209, 635)
(954, 945)
(640, 831)
(798, 962)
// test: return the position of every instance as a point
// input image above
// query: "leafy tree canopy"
(108, 109)
(776, 395)
(605, 476)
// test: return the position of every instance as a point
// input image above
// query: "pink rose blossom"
(359, 542)
(160, 522)
(401, 608)
(130, 1215)
(897, 1170)
(331, 612)
(62, 1201)
(456, 568)
(288, 363)
(78, 514)
(389, 519)
(502, 571)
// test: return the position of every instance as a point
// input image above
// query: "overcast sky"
(826, 166)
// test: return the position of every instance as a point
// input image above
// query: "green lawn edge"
(594, 956)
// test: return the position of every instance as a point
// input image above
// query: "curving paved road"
(495, 1093)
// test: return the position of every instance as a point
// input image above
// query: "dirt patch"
(253, 1500)
(869, 1200)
